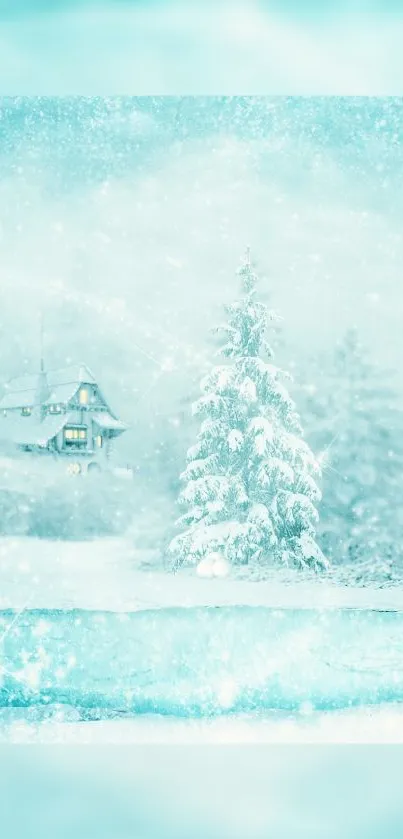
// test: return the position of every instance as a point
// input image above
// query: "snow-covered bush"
(14, 513)
(84, 510)
(69, 509)
(250, 482)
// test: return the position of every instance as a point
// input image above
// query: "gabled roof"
(21, 391)
(79, 373)
(61, 394)
(29, 431)
(20, 399)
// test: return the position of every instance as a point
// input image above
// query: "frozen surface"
(201, 661)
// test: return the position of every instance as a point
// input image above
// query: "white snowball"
(213, 565)
(205, 567)
(221, 567)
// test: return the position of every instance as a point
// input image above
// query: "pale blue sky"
(351, 47)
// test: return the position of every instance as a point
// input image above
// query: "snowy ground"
(111, 574)
(376, 725)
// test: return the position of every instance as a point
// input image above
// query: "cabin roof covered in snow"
(21, 391)
(107, 422)
(30, 431)
(61, 394)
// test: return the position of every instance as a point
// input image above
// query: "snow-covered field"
(111, 574)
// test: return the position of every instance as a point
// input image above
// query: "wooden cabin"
(62, 413)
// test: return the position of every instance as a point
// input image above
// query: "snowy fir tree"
(354, 421)
(249, 487)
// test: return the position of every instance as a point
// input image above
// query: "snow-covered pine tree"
(249, 485)
(355, 421)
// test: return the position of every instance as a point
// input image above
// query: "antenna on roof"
(41, 343)
(42, 390)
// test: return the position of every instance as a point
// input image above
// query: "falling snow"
(122, 223)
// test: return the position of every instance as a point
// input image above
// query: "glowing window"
(26, 412)
(75, 436)
(83, 396)
(98, 441)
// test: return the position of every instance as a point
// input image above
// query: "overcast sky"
(225, 46)
(123, 220)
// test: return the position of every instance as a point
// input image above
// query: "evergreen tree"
(355, 422)
(249, 485)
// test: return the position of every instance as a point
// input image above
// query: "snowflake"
(175, 263)
(31, 675)
(373, 297)
(25, 657)
(323, 458)
(168, 365)
(60, 674)
(227, 692)
(42, 628)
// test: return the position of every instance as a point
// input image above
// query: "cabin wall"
(92, 433)
(15, 412)
(101, 453)
(84, 418)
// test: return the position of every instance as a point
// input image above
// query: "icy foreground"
(201, 661)
(93, 648)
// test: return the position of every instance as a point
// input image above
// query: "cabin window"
(99, 441)
(83, 396)
(26, 412)
(55, 409)
(75, 436)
